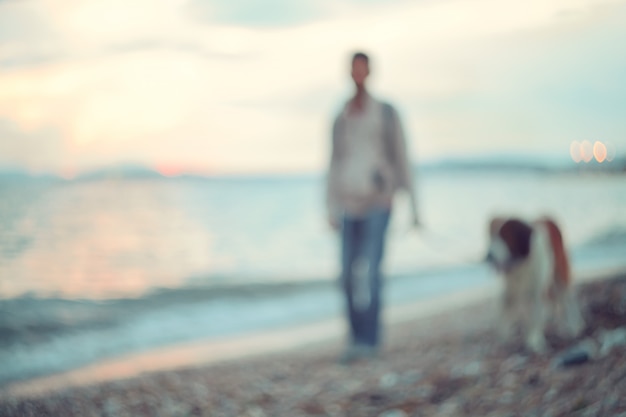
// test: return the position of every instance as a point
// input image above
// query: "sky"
(253, 85)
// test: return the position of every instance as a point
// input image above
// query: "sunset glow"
(92, 83)
(169, 170)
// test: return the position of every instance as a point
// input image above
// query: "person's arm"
(404, 170)
(332, 203)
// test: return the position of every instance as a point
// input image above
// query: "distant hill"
(16, 174)
(125, 171)
(480, 163)
(529, 163)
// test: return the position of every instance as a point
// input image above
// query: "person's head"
(360, 68)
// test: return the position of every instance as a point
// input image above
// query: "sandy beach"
(448, 363)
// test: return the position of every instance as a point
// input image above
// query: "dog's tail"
(562, 268)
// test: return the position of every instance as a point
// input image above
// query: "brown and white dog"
(533, 262)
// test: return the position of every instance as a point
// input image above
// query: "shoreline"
(210, 352)
(310, 337)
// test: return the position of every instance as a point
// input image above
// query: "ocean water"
(94, 269)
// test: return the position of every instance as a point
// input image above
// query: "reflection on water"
(121, 238)
(101, 239)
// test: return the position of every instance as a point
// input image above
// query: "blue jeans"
(362, 247)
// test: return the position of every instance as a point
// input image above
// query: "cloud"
(274, 13)
(538, 91)
(27, 37)
(190, 48)
(30, 149)
(266, 13)
(149, 81)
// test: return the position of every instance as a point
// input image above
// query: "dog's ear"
(516, 234)
(495, 224)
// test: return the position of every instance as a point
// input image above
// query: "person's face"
(360, 71)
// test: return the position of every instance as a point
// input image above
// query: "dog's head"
(509, 243)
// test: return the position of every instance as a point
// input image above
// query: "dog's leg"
(535, 339)
(506, 319)
(540, 274)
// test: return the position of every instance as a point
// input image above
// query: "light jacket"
(365, 172)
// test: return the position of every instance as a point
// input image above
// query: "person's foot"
(358, 352)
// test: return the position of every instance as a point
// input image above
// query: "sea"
(95, 269)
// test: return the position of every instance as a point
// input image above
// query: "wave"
(42, 336)
(33, 318)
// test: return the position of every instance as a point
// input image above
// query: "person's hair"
(361, 55)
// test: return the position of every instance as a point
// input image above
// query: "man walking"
(369, 164)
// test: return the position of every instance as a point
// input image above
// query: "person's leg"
(352, 236)
(376, 231)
